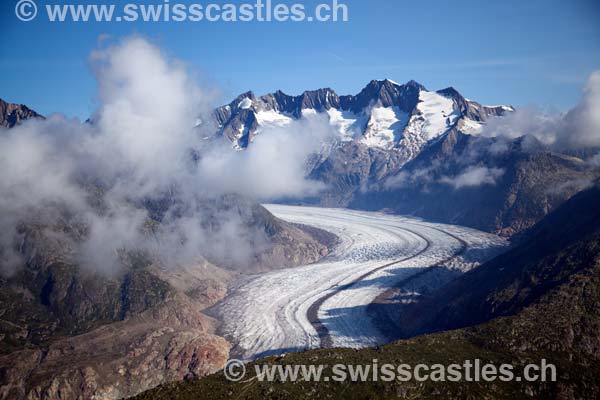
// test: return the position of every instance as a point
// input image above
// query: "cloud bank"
(577, 129)
(140, 175)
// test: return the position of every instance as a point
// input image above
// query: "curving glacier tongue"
(281, 311)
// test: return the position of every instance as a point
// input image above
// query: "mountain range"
(404, 149)
(384, 114)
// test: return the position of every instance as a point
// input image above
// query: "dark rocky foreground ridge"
(541, 300)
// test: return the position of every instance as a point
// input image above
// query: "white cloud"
(141, 147)
(577, 129)
(529, 121)
(405, 179)
(273, 167)
(474, 176)
(581, 126)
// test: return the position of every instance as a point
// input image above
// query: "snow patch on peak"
(393, 82)
(385, 126)
(470, 127)
(346, 123)
(270, 118)
(245, 104)
(438, 113)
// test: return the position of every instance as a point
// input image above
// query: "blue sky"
(516, 52)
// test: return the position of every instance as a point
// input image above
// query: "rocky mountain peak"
(386, 93)
(413, 83)
(320, 100)
(13, 114)
(450, 92)
(384, 114)
(248, 95)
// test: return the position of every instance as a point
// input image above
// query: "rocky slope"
(13, 114)
(555, 265)
(69, 331)
(538, 301)
(497, 185)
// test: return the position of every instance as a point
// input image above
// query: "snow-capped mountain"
(384, 115)
(409, 150)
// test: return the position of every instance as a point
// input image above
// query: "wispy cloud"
(473, 177)
(336, 57)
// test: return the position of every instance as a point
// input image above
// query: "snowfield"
(325, 304)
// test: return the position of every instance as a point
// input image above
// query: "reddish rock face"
(174, 342)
